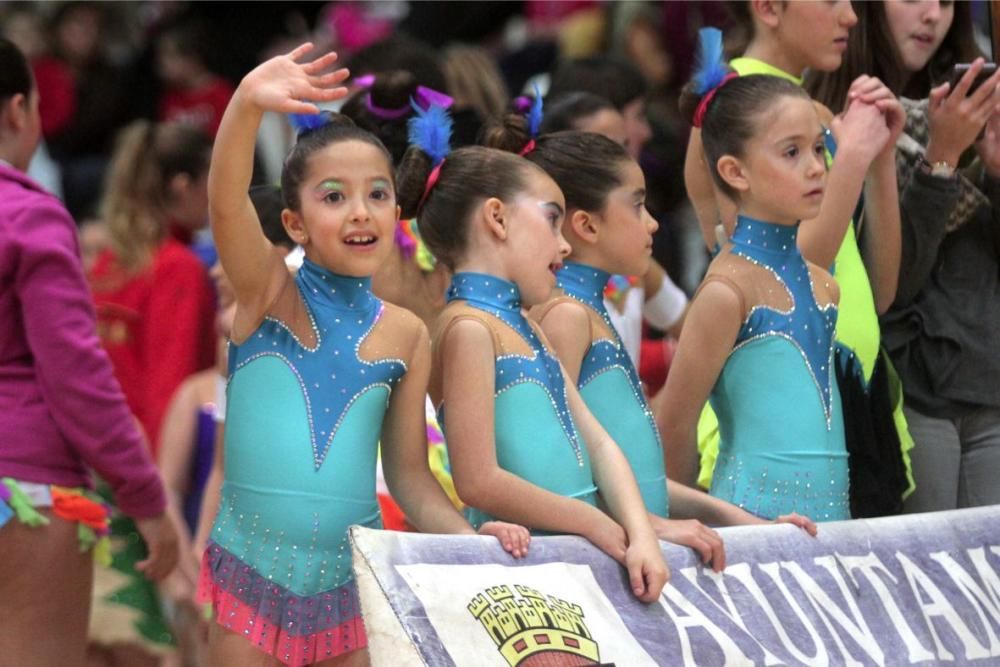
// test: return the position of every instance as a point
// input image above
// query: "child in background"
(759, 335)
(155, 315)
(153, 297)
(494, 219)
(320, 371)
(610, 231)
(585, 112)
(193, 95)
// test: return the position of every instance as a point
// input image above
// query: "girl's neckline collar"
(584, 282)
(334, 289)
(485, 289)
(765, 236)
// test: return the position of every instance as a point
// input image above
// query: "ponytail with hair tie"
(430, 131)
(534, 118)
(711, 71)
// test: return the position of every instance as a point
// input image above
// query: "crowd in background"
(132, 96)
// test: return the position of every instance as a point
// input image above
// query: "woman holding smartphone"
(941, 330)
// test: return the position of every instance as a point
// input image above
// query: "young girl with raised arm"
(759, 335)
(610, 231)
(522, 443)
(320, 370)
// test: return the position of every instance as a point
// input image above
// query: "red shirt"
(57, 94)
(157, 326)
(201, 107)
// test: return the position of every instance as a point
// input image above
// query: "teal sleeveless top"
(534, 433)
(781, 429)
(610, 386)
(302, 430)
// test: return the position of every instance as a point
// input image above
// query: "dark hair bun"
(510, 134)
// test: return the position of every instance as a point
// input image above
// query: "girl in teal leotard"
(522, 444)
(610, 232)
(759, 336)
(320, 371)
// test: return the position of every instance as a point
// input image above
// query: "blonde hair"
(474, 80)
(136, 197)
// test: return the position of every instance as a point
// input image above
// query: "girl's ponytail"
(516, 132)
(442, 188)
(510, 134)
(585, 166)
(133, 199)
(728, 108)
(137, 193)
(711, 72)
(430, 143)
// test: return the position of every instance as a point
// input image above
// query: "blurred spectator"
(353, 25)
(193, 95)
(154, 301)
(474, 81)
(618, 81)
(81, 145)
(584, 112)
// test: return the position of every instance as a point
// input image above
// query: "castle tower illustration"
(531, 629)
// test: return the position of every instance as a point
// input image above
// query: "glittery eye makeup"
(328, 186)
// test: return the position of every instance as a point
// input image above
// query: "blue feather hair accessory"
(307, 122)
(534, 115)
(430, 130)
(710, 63)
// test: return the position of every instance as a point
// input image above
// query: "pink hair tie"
(699, 112)
(432, 180)
(528, 147)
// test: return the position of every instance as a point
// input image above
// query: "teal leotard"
(781, 429)
(302, 431)
(535, 436)
(609, 385)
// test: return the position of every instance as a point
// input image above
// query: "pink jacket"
(61, 409)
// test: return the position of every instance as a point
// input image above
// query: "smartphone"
(961, 68)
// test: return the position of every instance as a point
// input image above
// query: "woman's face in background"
(918, 27)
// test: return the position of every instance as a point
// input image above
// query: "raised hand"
(871, 90)
(285, 85)
(860, 131)
(513, 538)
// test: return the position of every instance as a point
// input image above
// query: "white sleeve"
(220, 399)
(664, 308)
